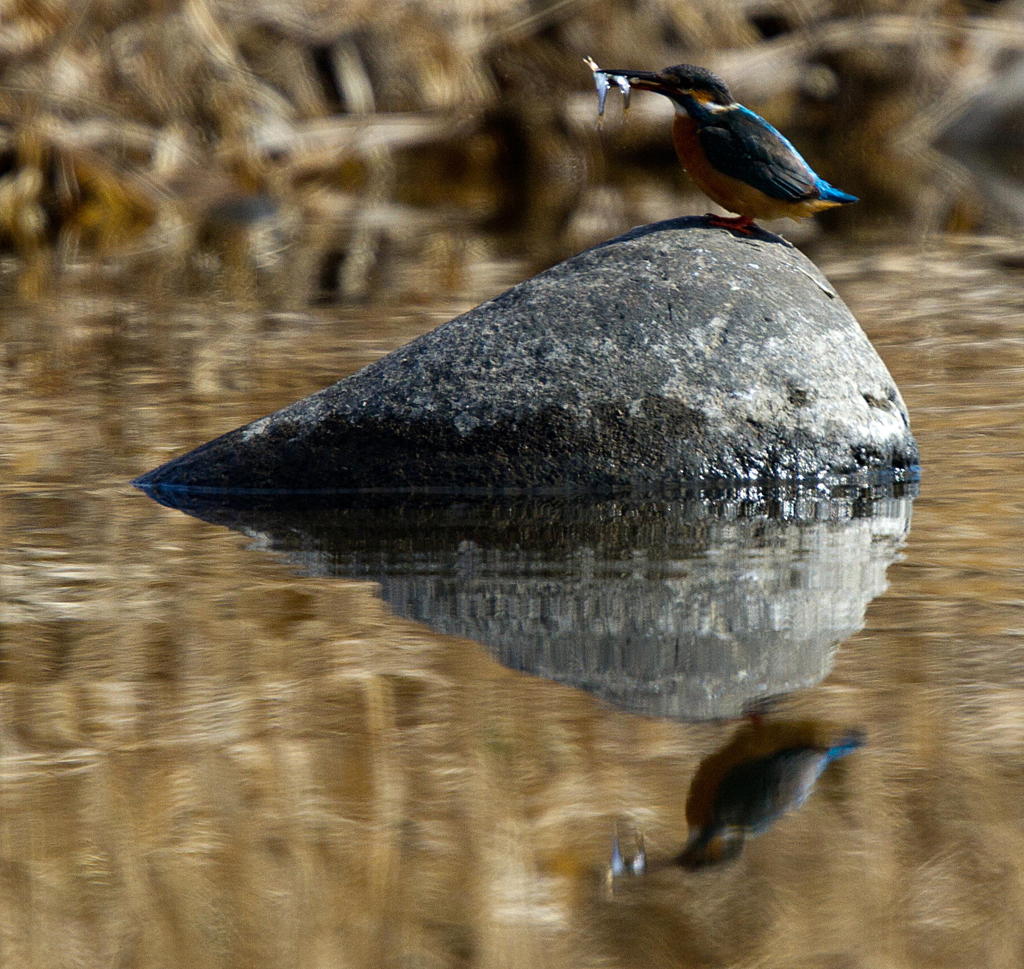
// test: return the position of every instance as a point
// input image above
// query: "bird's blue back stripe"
(775, 131)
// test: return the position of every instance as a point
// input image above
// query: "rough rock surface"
(675, 352)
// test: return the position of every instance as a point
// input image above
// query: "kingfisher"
(736, 799)
(733, 155)
(764, 772)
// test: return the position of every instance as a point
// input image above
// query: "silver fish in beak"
(601, 82)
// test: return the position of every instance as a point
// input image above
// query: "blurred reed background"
(340, 151)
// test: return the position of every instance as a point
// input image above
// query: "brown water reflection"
(208, 760)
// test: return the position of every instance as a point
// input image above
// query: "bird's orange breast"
(729, 192)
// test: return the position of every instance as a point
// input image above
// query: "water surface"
(224, 748)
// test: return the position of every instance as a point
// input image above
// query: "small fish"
(602, 85)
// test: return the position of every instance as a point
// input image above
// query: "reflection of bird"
(735, 157)
(738, 794)
(766, 770)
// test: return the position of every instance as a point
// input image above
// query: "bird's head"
(713, 846)
(685, 85)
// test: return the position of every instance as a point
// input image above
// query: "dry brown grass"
(339, 138)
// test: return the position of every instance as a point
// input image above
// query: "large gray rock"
(674, 352)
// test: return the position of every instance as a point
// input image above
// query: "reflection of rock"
(692, 618)
(689, 607)
(674, 352)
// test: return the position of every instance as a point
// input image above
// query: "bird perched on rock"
(733, 155)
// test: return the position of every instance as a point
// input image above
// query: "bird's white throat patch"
(708, 106)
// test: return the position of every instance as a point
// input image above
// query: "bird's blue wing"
(743, 145)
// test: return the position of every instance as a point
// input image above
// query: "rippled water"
(219, 746)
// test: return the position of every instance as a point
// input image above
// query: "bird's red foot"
(740, 223)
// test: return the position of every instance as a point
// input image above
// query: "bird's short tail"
(848, 743)
(829, 193)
